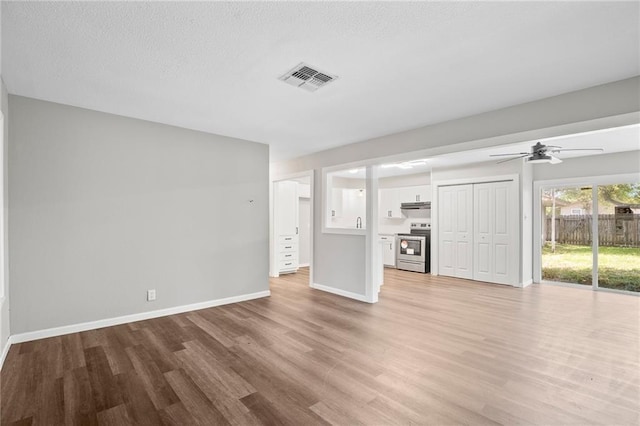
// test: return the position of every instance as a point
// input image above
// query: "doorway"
(291, 245)
(590, 234)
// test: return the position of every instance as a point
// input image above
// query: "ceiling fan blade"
(514, 158)
(577, 149)
(514, 153)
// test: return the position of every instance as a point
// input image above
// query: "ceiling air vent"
(308, 78)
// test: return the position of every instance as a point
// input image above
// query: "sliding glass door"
(619, 237)
(570, 218)
(567, 249)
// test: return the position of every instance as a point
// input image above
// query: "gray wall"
(338, 260)
(104, 207)
(596, 165)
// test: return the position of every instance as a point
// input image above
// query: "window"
(576, 211)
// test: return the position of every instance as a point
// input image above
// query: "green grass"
(619, 267)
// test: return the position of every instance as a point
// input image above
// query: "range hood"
(418, 205)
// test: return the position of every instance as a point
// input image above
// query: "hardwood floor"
(434, 350)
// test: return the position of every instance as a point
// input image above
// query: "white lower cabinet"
(388, 250)
(288, 254)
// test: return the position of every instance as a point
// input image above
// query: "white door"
(287, 208)
(482, 204)
(455, 224)
(495, 250)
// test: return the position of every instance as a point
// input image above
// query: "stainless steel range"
(413, 250)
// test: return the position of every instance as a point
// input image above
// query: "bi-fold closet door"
(477, 226)
(455, 231)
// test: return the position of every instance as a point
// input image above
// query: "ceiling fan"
(542, 154)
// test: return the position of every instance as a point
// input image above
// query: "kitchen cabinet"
(286, 225)
(304, 190)
(389, 203)
(388, 250)
(412, 194)
(336, 202)
(349, 205)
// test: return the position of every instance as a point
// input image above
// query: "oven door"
(410, 248)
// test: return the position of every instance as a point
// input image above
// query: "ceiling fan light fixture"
(538, 159)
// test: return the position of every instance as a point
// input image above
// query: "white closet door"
(504, 238)
(464, 231)
(455, 225)
(446, 231)
(483, 212)
(494, 233)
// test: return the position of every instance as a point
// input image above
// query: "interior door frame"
(273, 243)
(592, 181)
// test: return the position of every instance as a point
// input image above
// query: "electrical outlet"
(151, 295)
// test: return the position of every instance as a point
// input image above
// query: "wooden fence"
(620, 231)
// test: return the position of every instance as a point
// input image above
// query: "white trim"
(480, 179)
(108, 322)
(595, 242)
(340, 292)
(5, 351)
(303, 265)
(526, 283)
(373, 260)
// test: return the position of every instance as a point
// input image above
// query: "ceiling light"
(537, 159)
(405, 165)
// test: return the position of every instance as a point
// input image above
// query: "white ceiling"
(213, 66)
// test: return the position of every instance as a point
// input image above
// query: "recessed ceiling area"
(214, 66)
(618, 139)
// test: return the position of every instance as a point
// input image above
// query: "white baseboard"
(527, 283)
(339, 292)
(5, 351)
(303, 265)
(92, 325)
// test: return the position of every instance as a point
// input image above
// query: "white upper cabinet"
(389, 203)
(412, 194)
(304, 190)
(354, 205)
(336, 202)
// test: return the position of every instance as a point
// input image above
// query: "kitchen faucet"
(359, 222)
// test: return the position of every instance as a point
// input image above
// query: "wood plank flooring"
(434, 350)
